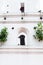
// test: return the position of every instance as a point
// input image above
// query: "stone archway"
(22, 35)
(22, 29)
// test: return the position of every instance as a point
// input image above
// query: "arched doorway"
(22, 36)
(22, 39)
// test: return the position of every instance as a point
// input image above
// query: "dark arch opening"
(22, 39)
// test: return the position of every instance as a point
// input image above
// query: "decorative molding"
(21, 50)
(18, 15)
(19, 22)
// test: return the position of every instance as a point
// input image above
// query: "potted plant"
(3, 35)
(38, 31)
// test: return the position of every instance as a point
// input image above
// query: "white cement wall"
(20, 59)
(13, 39)
(30, 6)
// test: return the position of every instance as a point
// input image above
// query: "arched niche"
(22, 35)
(23, 29)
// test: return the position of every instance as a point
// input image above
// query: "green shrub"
(38, 32)
(3, 35)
